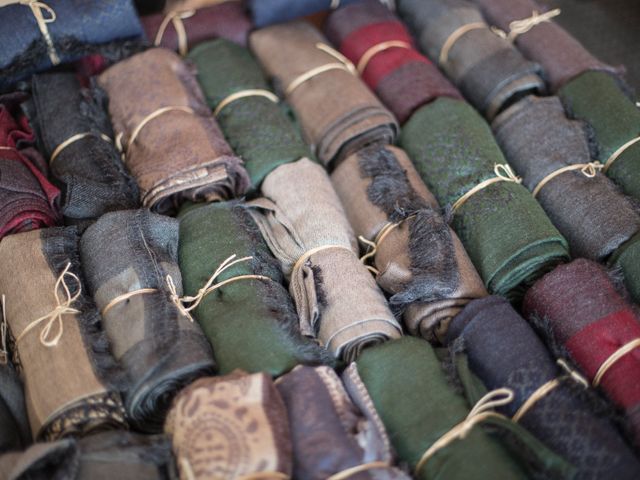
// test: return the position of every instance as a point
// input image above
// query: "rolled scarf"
(381, 47)
(430, 410)
(305, 226)
(173, 146)
(416, 257)
(581, 308)
(247, 314)
(280, 11)
(28, 200)
(256, 127)
(504, 230)
(14, 424)
(488, 69)
(239, 417)
(531, 28)
(184, 28)
(61, 31)
(56, 330)
(597, 99)
(41, 461)
(551, 402)
(332, 435)
(74, 131)
(337, 112)
(128, 258)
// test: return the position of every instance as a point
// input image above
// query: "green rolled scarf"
(409, 389)
(506, 233)
(597, 99)
(251, 322)
(257, 128)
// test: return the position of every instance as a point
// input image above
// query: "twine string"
(126, 296)
(589, 170)
(613, 358)
(519, 27)
(4, 351)
(615, 155)
(305, 256)
(456, 35)
(253, 92)
(503, 173)
(382, 234)
(365, 467)
(334, 4)
(74, 138)
(379, 48)
(176, 18)
(54, 318)
(38, 9)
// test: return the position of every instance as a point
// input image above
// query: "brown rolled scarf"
(173, 146)
(331, 434)
(561, 56)
(231, 427)
(70, 377)
(305, 226)
(418, 259)
(337, 111)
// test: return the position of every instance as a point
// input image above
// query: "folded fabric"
(530, 26)
(488, 69)
(580, 306)
(56, 329)
(256, 127)
(42, 461)
(503, 350)
(74, 131)
(416, 257)
(230, 427)
(331, 434)
(251, 321)
(173, 146)
(337, 112)
(505, 232)
(597, 99)
(305, 226)
(375, 40)
(14, 424)
(127, 258)
(279, 11)
(430, 410)
(184, 28)
(61, 31)
(28, 200)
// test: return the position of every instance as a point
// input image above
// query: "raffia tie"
(548, 387)
(503, 173)
(176, 19)
(518, 27)
(480, 412)
(375, 244)
(379, 48)
(187, 303)
(153, 115)
(305, 256)
(54, 318)
(74, 138)
(4, 351)
(253, 92)
(589, 170)
(39, 9)
(613, 358)
(342, 63)
(614, 156)
(456, 35)
(365, 467)
(126, 296)
(334, 4)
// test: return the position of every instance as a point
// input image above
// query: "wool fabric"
(14, 425)
(280, 11)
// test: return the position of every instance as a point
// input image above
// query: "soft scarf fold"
(28, 200)
(251, 323)
(78, 28)
(14, 425)
(504, 351)
(597, 99)
(42, 461)
(330, 433)
(337, 112)
(560, 55)
(400, 76)
(259, 130)
(159, 348)
(90, 168)
(421, 261)
(180, 154)
(280, 11)
(230, 427)
(488, 69)
(580, 307)
(505, 232)
(417, 406)
(305, 226)
(58, 403)
(224, 20)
